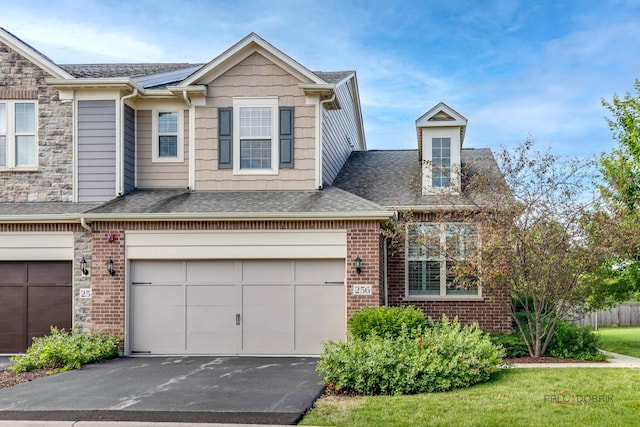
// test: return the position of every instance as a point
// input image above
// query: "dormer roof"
(440, 116)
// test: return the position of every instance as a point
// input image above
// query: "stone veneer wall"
(53, 181)
(108, 308)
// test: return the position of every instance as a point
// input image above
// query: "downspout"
(192, 139)
(319, 163)
(84, 225)
(121, 171)
(385, 281)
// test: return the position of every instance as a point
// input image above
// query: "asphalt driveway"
(172, 389)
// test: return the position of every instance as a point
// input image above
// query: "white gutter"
(238, 216)
(319, 180)
(192, 140)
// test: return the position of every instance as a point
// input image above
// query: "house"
(230, 207)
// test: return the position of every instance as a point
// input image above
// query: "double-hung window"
(441, 162)
(18, 134)
(167, 135)
(433, 253)
(256, 127)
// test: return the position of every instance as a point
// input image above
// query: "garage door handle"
(238, 319)
(140, 283)
(334, 283)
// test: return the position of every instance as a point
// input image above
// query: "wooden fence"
(625, 314)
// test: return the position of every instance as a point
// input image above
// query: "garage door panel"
(12, 320)
(212, 330)
(266, 272)
(158, 272)
(42, 318)
(319, 271)
(49, 296)
(12, 296)
(320, 316)
(212, 295)
(13, 273)
(212, 272)
(49, 273)
(267, 319)
(12, 343)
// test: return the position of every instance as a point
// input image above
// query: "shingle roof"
(393, 178)
(121, 70)
(333, 76)
(45, 208)
(329, 200)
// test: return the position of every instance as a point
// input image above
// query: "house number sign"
(85, 293)
(362, 290)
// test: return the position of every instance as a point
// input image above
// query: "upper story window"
(255, 127)
(168, 145)
(433, 251)
(18, 134)
(441, 162)
(256, 137)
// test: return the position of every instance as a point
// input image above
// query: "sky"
(514, 69)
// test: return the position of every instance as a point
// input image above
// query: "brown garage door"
(33, 297)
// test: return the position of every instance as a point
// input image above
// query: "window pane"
(3, 150)
(461, 241)
(3, 119)
(424, 278)
(441, 162)
(168, 146)
(255, 154)
(25, 117)
(168, 122)
(255, 122)
(25, 150)
(458, 283)
(424, 241)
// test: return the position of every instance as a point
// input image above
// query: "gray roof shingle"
(45, 208)
(329, 200)
(333, 76)
(122, 70)
(393, 178)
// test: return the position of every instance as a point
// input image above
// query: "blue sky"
(515, 69)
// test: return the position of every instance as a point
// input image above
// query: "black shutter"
(225, 138)
(286, 137)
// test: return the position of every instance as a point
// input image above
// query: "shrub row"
(445, 356)
(61, 351)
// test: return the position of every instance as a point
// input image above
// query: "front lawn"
(624, 340)
(515, 397)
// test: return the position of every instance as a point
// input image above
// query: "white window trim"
(427, 148)
(11, 136)
(155, 145)
(443, 285)
(275, 145)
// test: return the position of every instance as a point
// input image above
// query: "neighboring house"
(211, 208)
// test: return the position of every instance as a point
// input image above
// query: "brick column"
(363, 240)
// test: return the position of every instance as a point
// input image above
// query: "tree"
(536, 246)
(618, 223)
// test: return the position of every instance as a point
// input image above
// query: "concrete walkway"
(615, 361)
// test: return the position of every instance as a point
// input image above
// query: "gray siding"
(340, 134)
(129, 149)
(96, 150)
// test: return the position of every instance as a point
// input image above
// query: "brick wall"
(53, 181)
(490, 313)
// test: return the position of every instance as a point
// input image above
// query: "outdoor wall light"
(110, 269)
(357, 263)
(83, 267)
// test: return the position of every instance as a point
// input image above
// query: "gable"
(32, 55)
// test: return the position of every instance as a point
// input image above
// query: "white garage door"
(256, 307)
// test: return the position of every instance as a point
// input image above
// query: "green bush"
(61, 351)
(446, 357)
(512, 343)
(386, 322)
(572, 341)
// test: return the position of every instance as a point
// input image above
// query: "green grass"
(624, 340)
(515, 397)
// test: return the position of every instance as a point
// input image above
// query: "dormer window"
(440, 135)
(440, 162)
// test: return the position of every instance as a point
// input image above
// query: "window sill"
(167, 160)
(19, 169)
(255, 171)
(471, 298)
